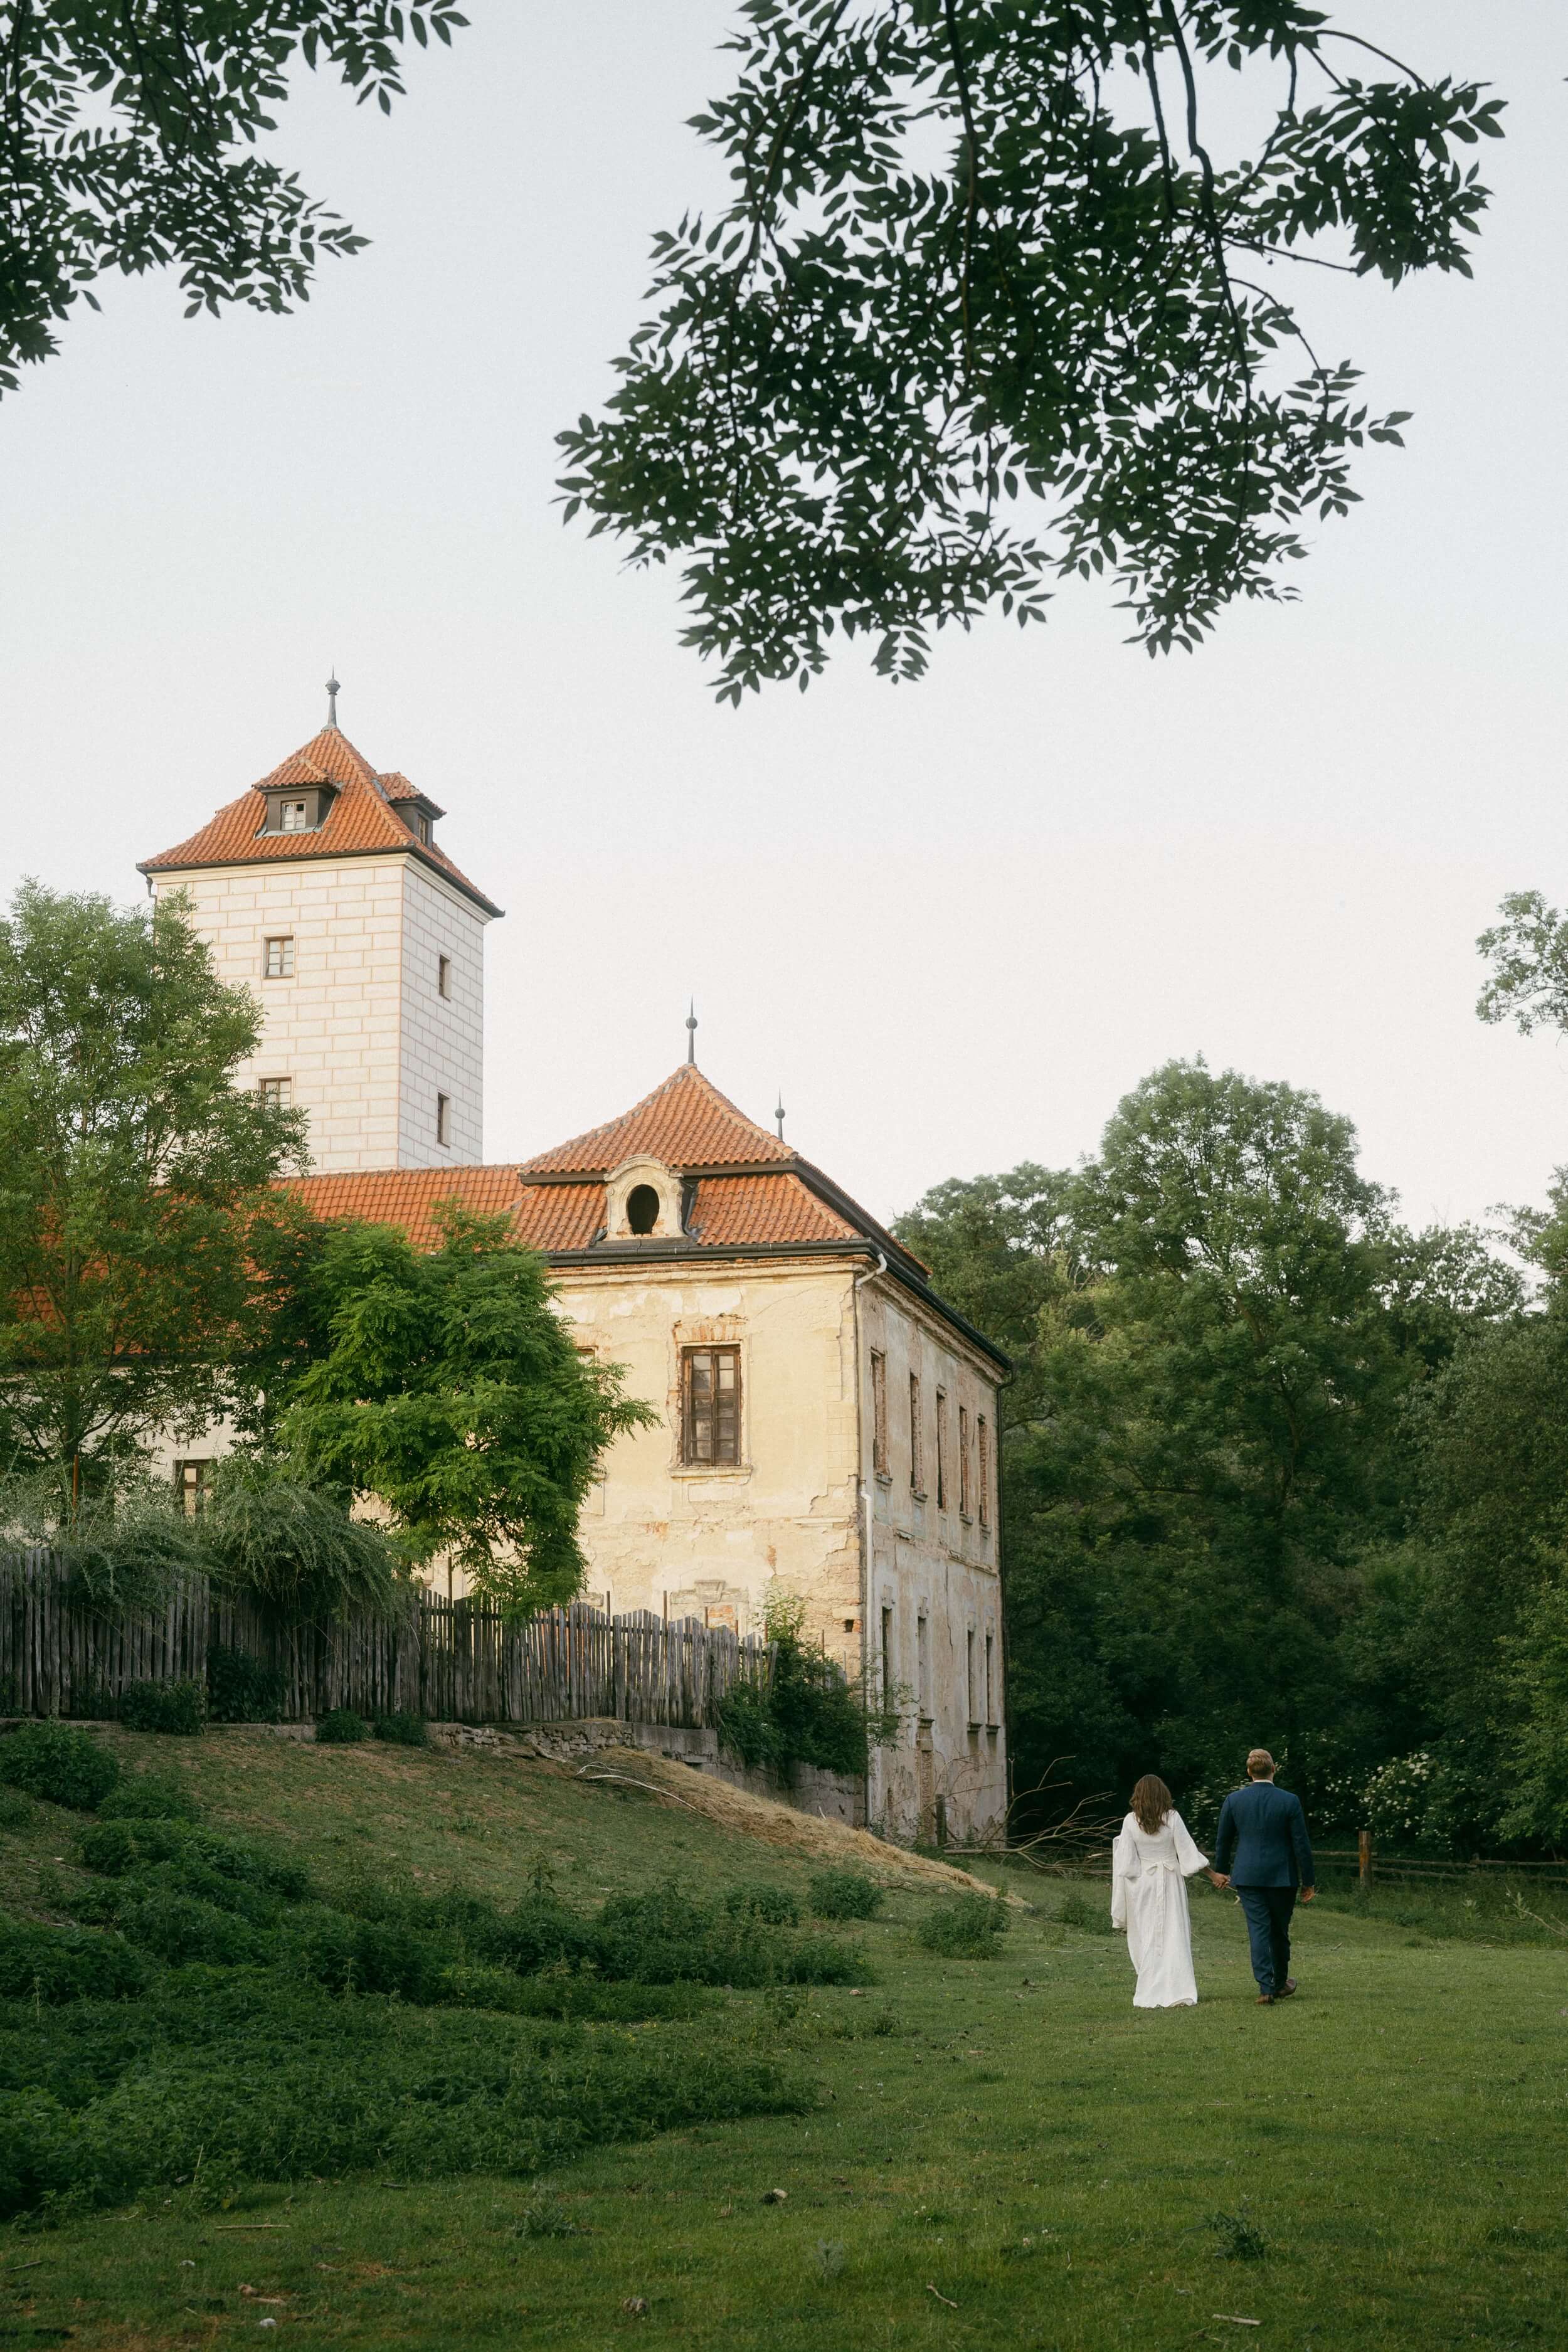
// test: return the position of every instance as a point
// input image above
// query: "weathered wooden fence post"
(1363, 1857)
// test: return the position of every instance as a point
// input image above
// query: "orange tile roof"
(360, 819)
(686, 1122)
(762, 1209)
(407, 1196)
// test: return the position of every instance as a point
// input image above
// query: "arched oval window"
(642, 1208)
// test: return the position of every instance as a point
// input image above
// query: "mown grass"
(996, 2152)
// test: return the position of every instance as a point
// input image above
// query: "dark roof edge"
(410, 848)
(699, 1170)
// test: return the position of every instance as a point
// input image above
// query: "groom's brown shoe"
(1286, 1989)
(1265, 2001)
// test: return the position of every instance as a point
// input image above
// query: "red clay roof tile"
(686, 1122)
(360, 819)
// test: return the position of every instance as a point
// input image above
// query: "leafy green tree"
(1528, 951)
(1217, 1327)
(981, 253)
(448, 1388)
(133, 1183)
(129, 136)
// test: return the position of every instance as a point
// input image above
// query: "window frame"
(966, 1499)
(444, 978)
(279, 1090)
(190, 1492)
(284, 943)
(722, 1352)
(942, 1449)
(880, 1415)
(444, 1122)
(291, 810)
(983, 1470)
(917, 1441)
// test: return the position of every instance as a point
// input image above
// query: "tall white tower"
(322, 890)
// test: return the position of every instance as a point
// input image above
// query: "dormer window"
(643, 1201)
(303, 809)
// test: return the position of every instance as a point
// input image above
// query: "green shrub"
(360, 1956)
(845, 1895)
(1082, 1910)
(180, 1928)
(112, 1848)
(149, 1797)
(341, 1728)
(64, 1964)
(403, 1729)
(759, 1899)
(242, 1689)
(67, 1767)
(806, 1711)
(179, 1707)
(665, 1936)
(966, 1929)
(295, 1548)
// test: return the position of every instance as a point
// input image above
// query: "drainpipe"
(867, 1485)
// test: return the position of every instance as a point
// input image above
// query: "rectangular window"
(917, 1439)
(989, 1685)
(292, 816)
(942, 1449)
(279, 964)
(969, 1674)
(984, 1469)
(443, 975)
(443, 1119)
(963, 1461)
(275, 1090)
(887, 1656)
(878, 1415)
(710, 1404)
(191, 1485)
(922, 1663)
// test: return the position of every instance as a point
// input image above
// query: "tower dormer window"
(643, 1201)
(642, 1208)
(294, 816)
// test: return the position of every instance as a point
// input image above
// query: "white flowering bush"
(1396, 1801)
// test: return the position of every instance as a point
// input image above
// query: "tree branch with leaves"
(881, 391)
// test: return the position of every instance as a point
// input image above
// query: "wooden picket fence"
(449, 1661)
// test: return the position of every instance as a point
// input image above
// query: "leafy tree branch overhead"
(986, 311)
(130, 132)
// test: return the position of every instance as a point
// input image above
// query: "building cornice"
(156, 870)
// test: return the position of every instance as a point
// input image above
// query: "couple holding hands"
(1263, 1853)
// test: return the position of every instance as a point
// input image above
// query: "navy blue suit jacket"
(1263, 1838)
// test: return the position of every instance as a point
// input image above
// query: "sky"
(950, 924)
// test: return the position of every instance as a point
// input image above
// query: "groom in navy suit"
(1264, 1852)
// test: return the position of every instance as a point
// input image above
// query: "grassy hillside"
(973, 2152)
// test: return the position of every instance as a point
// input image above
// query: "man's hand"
(1308, 1893)
(1218, 1878)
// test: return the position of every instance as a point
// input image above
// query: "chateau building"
(826, 1422)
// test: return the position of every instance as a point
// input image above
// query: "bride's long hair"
(1152, 1803)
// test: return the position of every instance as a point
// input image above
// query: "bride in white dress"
(1149, 1864)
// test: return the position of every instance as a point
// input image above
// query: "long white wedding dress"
(1148, 1899)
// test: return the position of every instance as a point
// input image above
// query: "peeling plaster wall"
(933, 1565)
(658, 1534)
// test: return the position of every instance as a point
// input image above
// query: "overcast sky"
(954, 922)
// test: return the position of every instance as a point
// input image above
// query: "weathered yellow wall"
(658, 1534)
(659, 1537)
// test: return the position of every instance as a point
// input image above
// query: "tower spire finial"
(333, 690)
(691, 1032)
(779, 1113)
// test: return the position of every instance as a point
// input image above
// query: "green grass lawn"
(1022, 2161)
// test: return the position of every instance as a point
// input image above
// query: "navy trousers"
(1269, 1910)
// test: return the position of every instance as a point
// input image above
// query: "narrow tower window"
(879, 1413)
(942, 1449)
(279, 962)
(963, 1461)
(642, 1208)
(443, 1119)
(917, 1439)
(984, 1430)
(443, 975)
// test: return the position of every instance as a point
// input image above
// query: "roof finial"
(333, 690)
(691, 1032)
(779, 1113)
